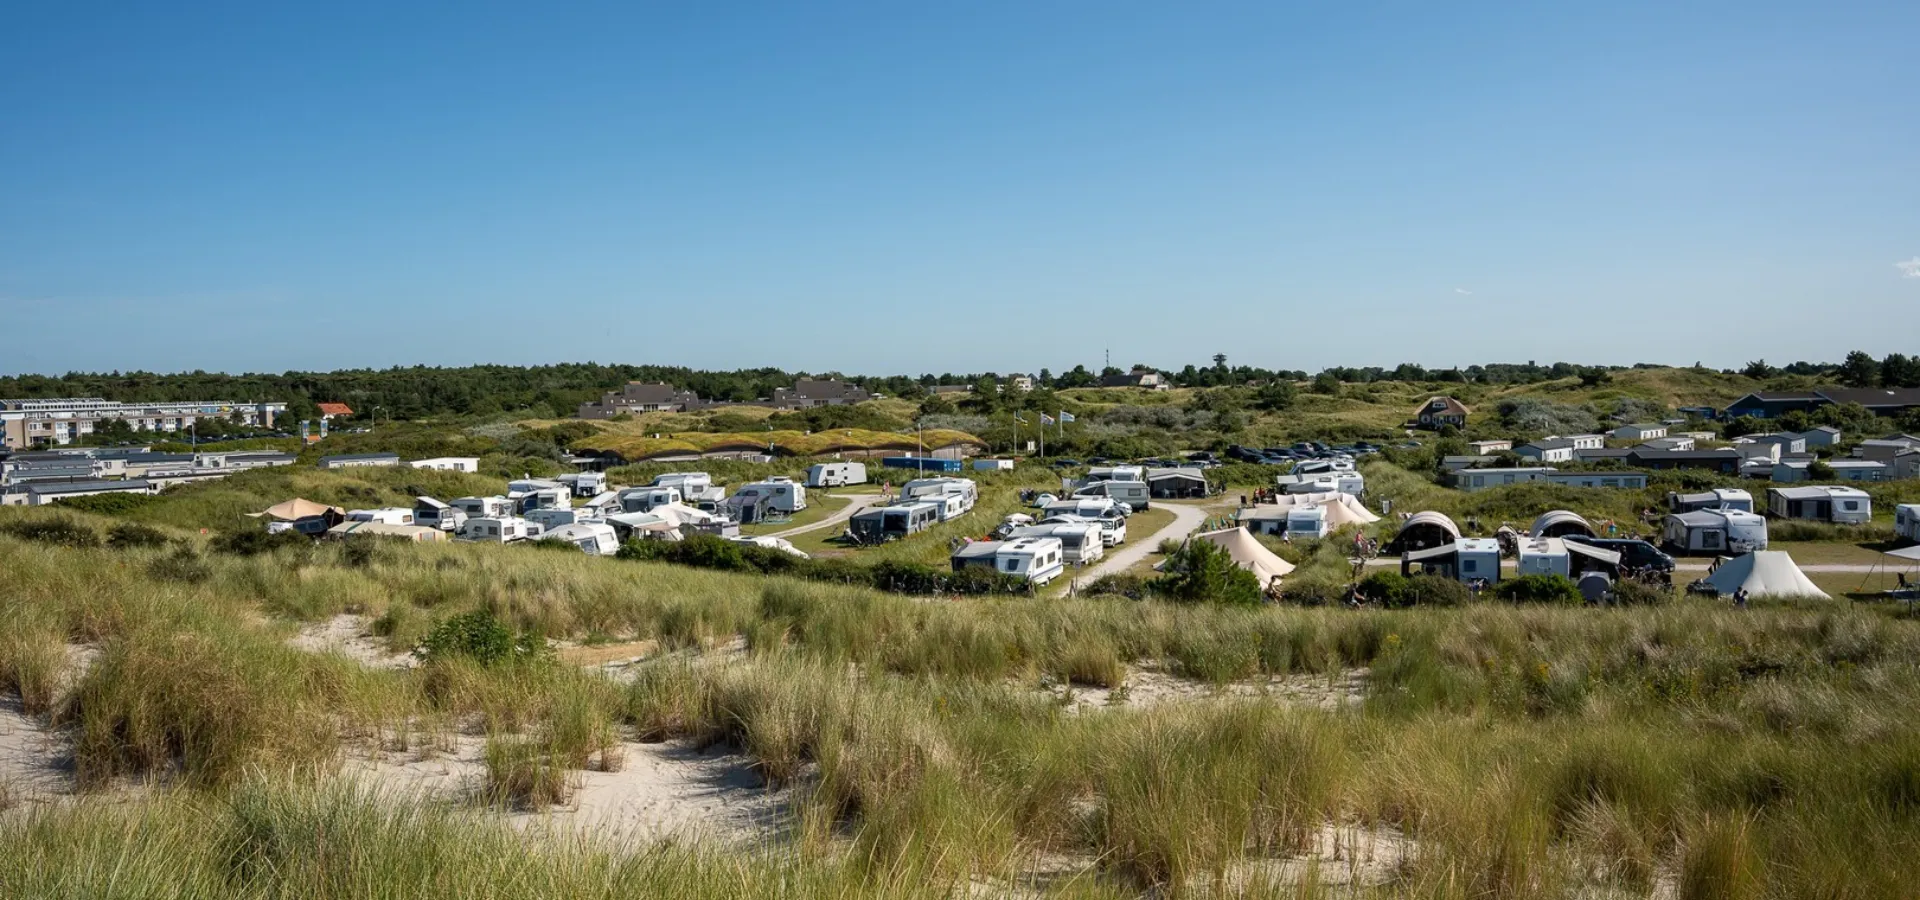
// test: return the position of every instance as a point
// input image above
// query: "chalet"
(1140, 377)
(1441, 411)
(334, 411)
(808, 393)
(1858, 469)
(1481, 479)
(1602, 454)
(1640, 432)
(1788, 443)
(641, 397)
(358, 460)
(1724, 460)
(1547, 450)
(1612, 479)
(1879, 401)
(1488, 448)
(1886, 448)
(1821, 436)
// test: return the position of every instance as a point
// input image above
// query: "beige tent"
(1248, 553)
(1764, 573)
(1340, 515)
(415, 533)
(1362, 514)
(298, 509)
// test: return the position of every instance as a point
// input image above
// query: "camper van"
(1135, 494)
(644, 499)
(782, 493)
(434, 514)
(1906, 521)
(1081, 542)
(388, 516)
(484, 507)
(891, 523)
(593, 538)
(836, 474)
(1113, 522)
(505, 530)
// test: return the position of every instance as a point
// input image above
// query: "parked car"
(1635, 553)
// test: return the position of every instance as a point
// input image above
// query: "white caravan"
(1906, 521)
(782, 493)
(392, 515)
(1112, 521)
(1082, 542)
(434, 514)
(1135, 494)
(836, 474)
(689, 484)
(1037, 559)
(1307, 522)
(484, 507)
(928, 488)
(550, 519)
(644, 499)
(504, 530)
(584, 484)
(593, 538)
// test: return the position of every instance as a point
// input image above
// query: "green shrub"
(480, 637)
(1436, 590)
(1203, 571)
(1629, 592)
(1132, 587)
(1387, 588)
(1539, 589)
(115, 504)
(61, 531)
(254, 542)
(183, 565)
(127, 535)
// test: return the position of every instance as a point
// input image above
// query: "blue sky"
(955, 187)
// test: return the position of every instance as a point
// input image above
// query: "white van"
(593, 538)
(392, 515)
(836, 474)
(504, 530)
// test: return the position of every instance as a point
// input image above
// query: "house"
(1820, 503)
(944, 389)
(1456, 463)
(1724, 460)
(1787, 442)
(1140, 377)
(1176, 483)
(808, 393)
(44, 422)
(1858, 469)
(641, 397)
(1879, 401)
(1488, 448)
(1885, 448)
(1904, 465)
(1705, 413)
(1669, 443)
(1481, 479)
(1641, 432)
(358, 460)
(1438, 412)
(1821, 436)
(1021, 383)
(1602, 454)
(334, 411)
(467, 464)
(1547, 450)
(41, 493)
(1607, 479)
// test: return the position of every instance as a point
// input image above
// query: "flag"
(1046, 419)
(1066, 416)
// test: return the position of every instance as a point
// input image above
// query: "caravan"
(1906, 522)
(584, 484)
(1307, 522)
(1081, 542)
(388, 516)
(484, 507)
(927, 488)
(836, 474)
(644, 499)
(1714, 532)
(690, 484)
(593, 538)
(1113, 522)
(891, 523)
(781, 492)
(434, 514)
(1135, 494)
(504, 530)
(1038, 560)
(550, 519)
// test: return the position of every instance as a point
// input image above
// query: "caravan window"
(1469, 565)
(1012, 566)
(1851, 505)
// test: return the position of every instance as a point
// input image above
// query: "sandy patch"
(661, 791)
(1339, 855)
(611, 656)
(1147, 687)
(350, 636)
(34, 761)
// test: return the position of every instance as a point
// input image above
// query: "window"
(1469, 565)
(1609, 482)
(1851, 506)
(1710, 540)
(1012, 566)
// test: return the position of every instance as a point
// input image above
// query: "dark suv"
(1634, 553)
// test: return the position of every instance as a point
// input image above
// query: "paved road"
(1186, 519)
(855, 503)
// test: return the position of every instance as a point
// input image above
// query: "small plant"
(129, 535)
(522, 774)
(1552, 589)
(251, 542)
(480, 637)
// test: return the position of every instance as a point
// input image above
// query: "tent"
(296, 509)
(1247, 553)
(1360, 511)
(1424, 530)
(415, 533)
(1764, 573)
(1908, 553)
(1340, 515)
(1560, 523)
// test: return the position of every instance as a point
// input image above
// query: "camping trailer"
(392, 515)
(1307, 523)
(484, 507)
(783, 494)
(434, 514)
(1714, 532)
(836, 474)
(644, 499)
(1906, 521)
(1081, 542)
(1718, 498)
(584, 484)
(947, 506)
(687, 483)
(1135, 494)
(550, 519)
(504, 530)
(923, 488)
(1116, 473)
(559, 497)
(1106, 512)
(891, 523)
(1821, 503)
(1036, 559)
(1570, 559)
(1464, 559)
(593, 538)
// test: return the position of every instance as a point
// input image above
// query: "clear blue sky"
(903, 187)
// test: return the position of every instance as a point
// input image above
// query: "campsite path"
(1186, 519)
(855, 503)
(1857, 568)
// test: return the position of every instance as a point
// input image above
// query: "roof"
(1558, 517)
(1641, 426)
(1610, 557)
(86, 487)
(1657, 453)
(1603, 453)
(1855, 464)
(1816, 492)
(1182, 472)
(1555, 443)
(1764, 573)
(411, 532)
(335, 409)
(1871, 397)
(978, 550)
(1449, 405)
(430, 503)
(1436, 519)
(345, 457)
(297, 509)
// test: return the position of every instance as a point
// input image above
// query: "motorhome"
(484, 507)
(783, 494)
(388, 516)
(503, 530)
(836, 474)
(1113, 522)
(1714, 532)
(593, 538)
(891, 523)
(644, 499)
(434, 514)
(1135, 494)
(1082, 542)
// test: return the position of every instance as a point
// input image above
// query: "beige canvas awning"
(297, 509)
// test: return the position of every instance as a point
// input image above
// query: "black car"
(1200, 456)
(1634, 553)
(1244, 455)
(1066, 463)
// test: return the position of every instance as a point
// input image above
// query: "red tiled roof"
(335, 409)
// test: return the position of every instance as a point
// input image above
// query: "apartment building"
(26, 424)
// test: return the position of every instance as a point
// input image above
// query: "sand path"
(855, 503)
(1186, 519)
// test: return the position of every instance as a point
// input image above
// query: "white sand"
(350, 636)
(1147, 687)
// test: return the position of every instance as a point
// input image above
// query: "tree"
(1277, 395)
(1203, 571)
(1899, 370)
(1859, 370)
(1326, 383)
(1758, 369)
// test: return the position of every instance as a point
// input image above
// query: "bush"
(480, 637)
(1132, 587)
(1387, 588)
(1557, 589)
(115, 504)
(62, 531)
(1205, 571)
(127, 535)
(182, 565)
(252, 542)
(1628, 592)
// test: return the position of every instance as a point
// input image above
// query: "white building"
(467, 464)
(1640, 432)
